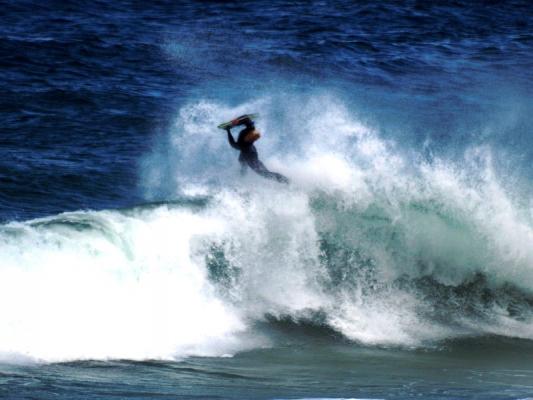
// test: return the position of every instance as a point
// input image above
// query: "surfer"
(248, 156)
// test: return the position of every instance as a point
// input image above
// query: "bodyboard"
(238, 121)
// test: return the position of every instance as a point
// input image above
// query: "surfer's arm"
(232, 141)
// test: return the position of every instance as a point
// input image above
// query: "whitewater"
(380, 244)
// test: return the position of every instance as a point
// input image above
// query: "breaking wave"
(384, 247)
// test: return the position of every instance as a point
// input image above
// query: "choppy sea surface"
(136, 261)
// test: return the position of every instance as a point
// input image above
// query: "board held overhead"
(238, 121)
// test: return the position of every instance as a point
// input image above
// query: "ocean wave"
(366, 242)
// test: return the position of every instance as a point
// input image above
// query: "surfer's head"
(249, 123)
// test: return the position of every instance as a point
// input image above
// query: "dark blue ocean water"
(87, 87)
(398, 265)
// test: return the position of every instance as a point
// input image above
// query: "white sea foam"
(451, 219)
(136, 284)
(126, 288)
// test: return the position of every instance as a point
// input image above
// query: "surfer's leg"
(260, 168)
(244, 164)
(280, 178)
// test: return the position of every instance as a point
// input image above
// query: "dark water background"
(87, 86)
(89, 89)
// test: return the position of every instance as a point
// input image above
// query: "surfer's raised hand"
(231, 140)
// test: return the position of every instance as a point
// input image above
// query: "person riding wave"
(249, 156)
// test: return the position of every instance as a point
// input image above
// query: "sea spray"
(366, 241)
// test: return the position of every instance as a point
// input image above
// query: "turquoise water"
(316, 367)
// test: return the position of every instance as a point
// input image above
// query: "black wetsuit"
(249, 158)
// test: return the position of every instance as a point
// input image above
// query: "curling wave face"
(368, 241)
